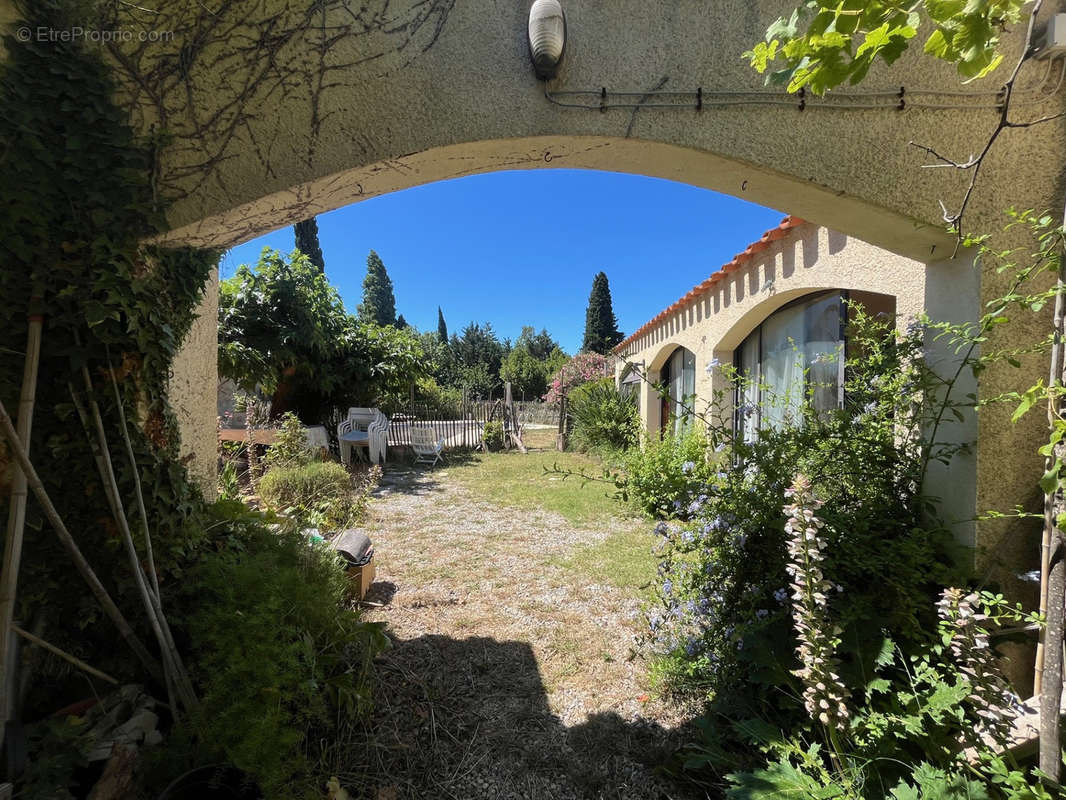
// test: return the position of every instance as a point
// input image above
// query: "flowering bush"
(582, 368)
(664, 477)
(721, 627)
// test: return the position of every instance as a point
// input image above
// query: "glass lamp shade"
(547, 36)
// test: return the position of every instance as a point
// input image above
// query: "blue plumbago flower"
(694, 507)
(662, 528)
(688, 466)
(688, 537)
(747, 409)
(668, 587)
(714, 362)
(654, 622)
(761, 613)
(692, 647)
(703, 607)
(870, 407)
(781, 596)
(677, 505)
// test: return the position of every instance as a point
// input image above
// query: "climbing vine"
(78, 206)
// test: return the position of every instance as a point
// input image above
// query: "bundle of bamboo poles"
(169, 667)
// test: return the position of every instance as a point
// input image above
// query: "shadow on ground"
(469, 719)
(403, 476)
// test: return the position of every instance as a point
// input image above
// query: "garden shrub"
(902, 735)
(493, 435)
(582, 368)
(278, 656)
(316, 494)
(603, 417)
(722, 628)
(290, 444)
(661, 475)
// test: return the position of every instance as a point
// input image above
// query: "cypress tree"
(401, 323)
(601, 325)
(307, 242)
(442, 326)
(379, 303)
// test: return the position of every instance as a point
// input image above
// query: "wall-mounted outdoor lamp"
(547, 36)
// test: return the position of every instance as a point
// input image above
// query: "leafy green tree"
(442, 326)
(283, 328)
(540, 345)
(534, 358)
(307, 242)
(379, 303)
(601, 325)
(478, 355)
(822, 45)
(278, 324)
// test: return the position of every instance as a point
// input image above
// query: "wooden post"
(560, 439)
(17, 514)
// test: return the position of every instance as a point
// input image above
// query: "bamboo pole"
(97, 588)
(118, 513)
(1054, 380)
(149, 555)
(16, 518)
(51, 648)
(180, 675)
(173, 668)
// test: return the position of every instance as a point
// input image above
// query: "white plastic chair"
(427, 445)
(378, 432)
(354, 431)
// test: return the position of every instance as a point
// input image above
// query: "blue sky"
(521, 247)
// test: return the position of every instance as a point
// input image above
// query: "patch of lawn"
(624, 559)
(520, 481)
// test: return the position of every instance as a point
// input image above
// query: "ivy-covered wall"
(78, 201)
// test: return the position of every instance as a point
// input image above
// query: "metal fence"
(533, 412)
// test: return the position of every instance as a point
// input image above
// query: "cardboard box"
(360, 578)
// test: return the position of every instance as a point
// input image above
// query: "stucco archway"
(279, 109)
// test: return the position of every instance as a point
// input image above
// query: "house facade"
(777, 311)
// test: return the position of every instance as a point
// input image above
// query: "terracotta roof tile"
(783, 230)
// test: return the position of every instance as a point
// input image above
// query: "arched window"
(678, 376)
(797, 355)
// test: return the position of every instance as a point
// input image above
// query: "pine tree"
(601, 325)
(307, 242)
(401, 323)
(442, 326)
(379, 303)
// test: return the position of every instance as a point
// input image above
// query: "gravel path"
(510, 676)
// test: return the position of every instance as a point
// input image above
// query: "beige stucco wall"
(194, 388)
(809, 259)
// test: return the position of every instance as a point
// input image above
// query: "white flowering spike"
(825, 696)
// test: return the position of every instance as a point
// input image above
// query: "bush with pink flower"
(581, 369)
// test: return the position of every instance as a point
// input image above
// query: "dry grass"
(514, 672)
